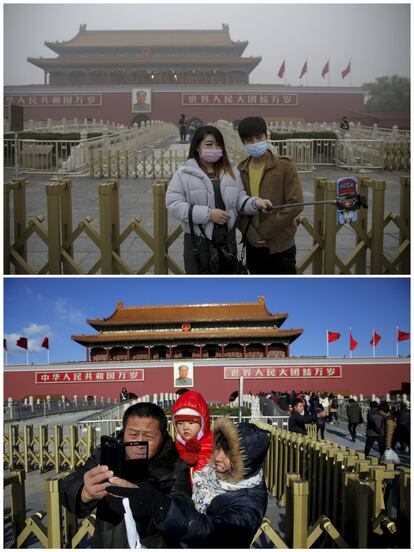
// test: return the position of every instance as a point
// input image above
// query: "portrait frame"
(146, 105)
(190, 375)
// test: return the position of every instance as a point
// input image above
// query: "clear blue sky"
(59, 307)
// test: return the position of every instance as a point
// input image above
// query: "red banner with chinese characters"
(263, 372)
(240, 99)
(80, 376)
(55, 100)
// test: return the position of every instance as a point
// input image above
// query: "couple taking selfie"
(211, 198)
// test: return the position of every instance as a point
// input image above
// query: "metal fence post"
(53, 223)
(319, 225)
(377, 232)
(160, 237)
(361, 262)
(54, 531)
(6, 229)
(18, 502)
(405, 219)
(330, 230)
(19, 201)
(66, 223)
(108, 200)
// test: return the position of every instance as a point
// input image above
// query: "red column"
(201, 350)
(129, 352)
(87, 354)
(107, 353)
(149, 351)
(222, 350)
(244, 350)
(170, 351)
(266, 350)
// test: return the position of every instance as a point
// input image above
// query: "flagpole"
(284, 74)
(397, 340)
(350, 71)
(48, 356)
(307, 72)
(27, 355)
(373, 342)
(327, 345)
(329, 72)
(350, 350)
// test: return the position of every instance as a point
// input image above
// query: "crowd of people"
(388, 426)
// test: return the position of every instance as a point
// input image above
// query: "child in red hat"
(194, 440)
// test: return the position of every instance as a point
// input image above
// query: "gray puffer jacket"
(191, 186)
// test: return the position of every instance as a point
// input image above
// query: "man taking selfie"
(85, 489)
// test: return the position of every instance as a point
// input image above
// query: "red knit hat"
(187, 415)
(187, 418)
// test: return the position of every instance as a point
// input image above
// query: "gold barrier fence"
(59, 236)
(44, 449)
(336, 493)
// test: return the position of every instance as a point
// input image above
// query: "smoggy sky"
(375, 37)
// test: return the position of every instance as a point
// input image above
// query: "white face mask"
(256, 150)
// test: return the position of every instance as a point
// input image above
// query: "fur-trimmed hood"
(248, 446)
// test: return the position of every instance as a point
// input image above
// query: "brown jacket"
(387, 430)
(279, 183)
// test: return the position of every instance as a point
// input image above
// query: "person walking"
(374, 422)
(270, 247)
(207, 195)
(333, 408)
(182, 123)
(388, 427)
(354, 414)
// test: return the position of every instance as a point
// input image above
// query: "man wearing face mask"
(271, 235)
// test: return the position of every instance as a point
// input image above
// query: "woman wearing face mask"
(271, 235)
(209, 185)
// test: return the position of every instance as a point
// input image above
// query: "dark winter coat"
(166, 471)
(374, 422)
(297, 422)
(354, 413)
(233, 517)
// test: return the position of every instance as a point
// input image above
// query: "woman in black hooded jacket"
(229, 495)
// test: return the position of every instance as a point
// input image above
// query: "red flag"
(325, 69)
(304, 69)
(282, 70)
(22, 342)
(5, 344)
(352, 343)
(402, 336)
(45, 343)
(333, 336)
(346, 71)
(376, 338)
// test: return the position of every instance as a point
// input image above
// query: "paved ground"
(136, 201)
(35, 481)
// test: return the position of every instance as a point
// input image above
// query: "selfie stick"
(344, 203)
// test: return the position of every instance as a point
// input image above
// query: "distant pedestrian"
(333, 409)
(182, 123)
(374, 422)
(354, 417)
(124, 395)
(387, 427)
(344, 124)
(402, 432)
(298, 418)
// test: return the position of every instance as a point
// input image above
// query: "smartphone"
(133, 467)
